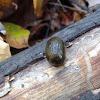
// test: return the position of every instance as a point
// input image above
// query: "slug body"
(55, 51)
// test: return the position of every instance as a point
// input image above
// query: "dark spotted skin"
(55, 51)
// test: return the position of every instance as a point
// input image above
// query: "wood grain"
(17, 62)
(81, 72)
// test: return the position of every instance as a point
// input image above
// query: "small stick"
(74, 18)
(78, 5)
(62, 6)
(16, 6)
(69, 7)
(50, 22)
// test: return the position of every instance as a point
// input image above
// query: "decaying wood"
(18, 61)
(88, 95)
(40, 80)
(81, 72)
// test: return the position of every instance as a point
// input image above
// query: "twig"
(16, 6)
(74, 18)
(78, 5)
(69, 7)
(50, 22)
(61, 4)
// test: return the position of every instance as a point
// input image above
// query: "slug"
(55, 51)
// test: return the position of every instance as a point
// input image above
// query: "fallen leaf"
(16, 35)
(69, 17)
(4, 50)
(35, 30)
(5, 3)
(22, 16)
(37, 6)
(1, 14)
(55, 23)
(77, 16)
(64, 19)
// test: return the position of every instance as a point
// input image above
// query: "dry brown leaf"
(1, 14)
(37, 6)
(64, 19)
(77, 16)
(70, 17)
(5, 3)
(55, 23)
(4, 50)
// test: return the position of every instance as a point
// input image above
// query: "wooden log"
(17, 62)
(94, 95)
(81, 72)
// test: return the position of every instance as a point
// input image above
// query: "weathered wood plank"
(81, 72)
(18, 61)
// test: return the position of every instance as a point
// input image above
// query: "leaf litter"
(33, 18)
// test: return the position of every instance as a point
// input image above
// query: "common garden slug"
(55, 51)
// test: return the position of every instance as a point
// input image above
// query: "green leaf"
(16, 35)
